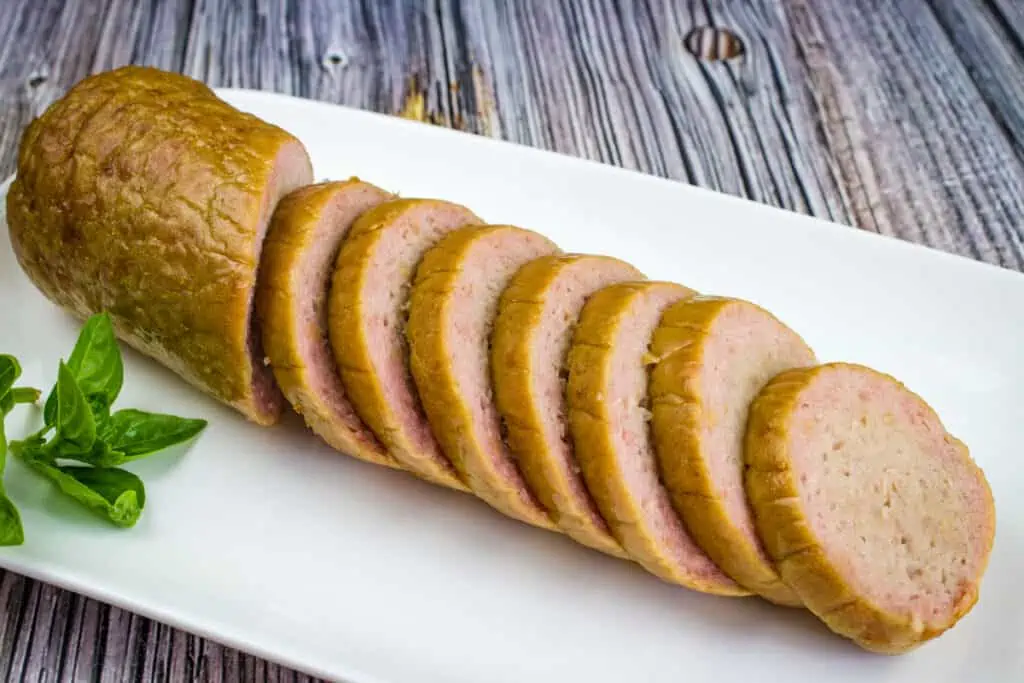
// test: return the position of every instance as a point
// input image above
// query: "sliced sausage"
(876, 516)
(713, 355)
(454, 304)
(302, 245)
(143, 194)
(366, 324)
(530, 351)
(609, 418)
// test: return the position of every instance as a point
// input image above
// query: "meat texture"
(368, 305)
(531, 346)
(610, 421)
(712, 355)
(877, 517)
(305, 236)
(142, 194)
(454, 304)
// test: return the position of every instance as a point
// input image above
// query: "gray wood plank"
(989, 40)
(1011, 15)
(900, 117)
(919, 153)
(620, 88)
(48, 45)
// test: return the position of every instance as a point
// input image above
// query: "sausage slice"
(367, 312)
(530, 351)
(302, 245)
(876, 516)
(713, 355)
(609, 417)
(454, 304)
(143, 194)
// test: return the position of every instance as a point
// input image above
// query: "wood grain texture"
(920, 154)
(989, 39)
(904, 117)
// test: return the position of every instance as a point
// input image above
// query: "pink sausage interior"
(745, 349)
(563, 303)
(311, 288)
(627, 407)
(384, 300)
(486, 271)
(891, 497)
(291, 171)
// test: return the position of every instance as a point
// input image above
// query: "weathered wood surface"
(904, 117)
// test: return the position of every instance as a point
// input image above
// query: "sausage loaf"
(142, 194)
(695, 435)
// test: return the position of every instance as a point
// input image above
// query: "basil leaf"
(50, 408)
(131, 434)
(76, 426)
(3, 454)
(25, 395)
(117, 495)
(11, 530)
(15, 396)
(31, 449)
(136, 433)
(100, 455)
(10, 370)
(95, 362)
(99, 405)
(112, 483)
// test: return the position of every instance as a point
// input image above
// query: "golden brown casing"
(142, 194)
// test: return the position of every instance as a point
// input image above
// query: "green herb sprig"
(11, 531)
(79, 427)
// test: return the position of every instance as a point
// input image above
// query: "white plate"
(268, 541)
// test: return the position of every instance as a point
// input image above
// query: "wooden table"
(905, 117)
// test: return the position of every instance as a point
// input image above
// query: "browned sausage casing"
(143, 194)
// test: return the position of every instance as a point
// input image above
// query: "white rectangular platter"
(266, 540)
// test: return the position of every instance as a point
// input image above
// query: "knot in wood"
(713, 44)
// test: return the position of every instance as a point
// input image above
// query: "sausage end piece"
(876, 516)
